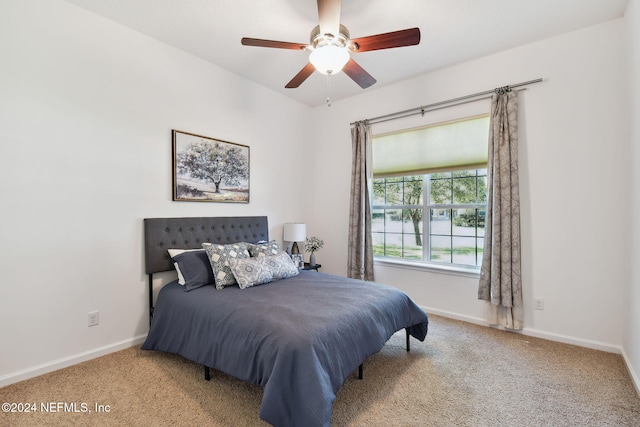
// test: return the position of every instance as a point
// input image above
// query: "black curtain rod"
(422, 109)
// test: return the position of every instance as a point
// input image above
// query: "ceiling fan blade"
(272, 43)
(329, 16)
(301, 76)
(408, 37)
(358, 74)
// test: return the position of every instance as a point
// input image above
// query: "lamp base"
(294, 248)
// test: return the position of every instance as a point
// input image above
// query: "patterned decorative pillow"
(263, 249)
(250, 271)
(219, 256)
(281, 266)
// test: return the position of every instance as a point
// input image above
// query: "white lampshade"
(295, 232)
(329, 59)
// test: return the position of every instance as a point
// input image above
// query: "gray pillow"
(219, 256)
(193, 267)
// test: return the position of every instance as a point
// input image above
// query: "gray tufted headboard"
(161, 234)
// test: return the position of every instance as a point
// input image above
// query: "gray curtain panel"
(360, 253)
(500, 277)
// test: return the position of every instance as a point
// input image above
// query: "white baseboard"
(456, 316)
(632, 373)
(45, 368)
(596, 345)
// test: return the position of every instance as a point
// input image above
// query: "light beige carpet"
(462, 375)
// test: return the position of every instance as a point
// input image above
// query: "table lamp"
(295, 232)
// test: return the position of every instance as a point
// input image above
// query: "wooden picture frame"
(209, 170)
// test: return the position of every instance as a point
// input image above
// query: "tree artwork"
(206, 169)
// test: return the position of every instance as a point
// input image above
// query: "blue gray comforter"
(298, 338)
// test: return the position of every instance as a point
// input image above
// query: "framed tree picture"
(209, 170)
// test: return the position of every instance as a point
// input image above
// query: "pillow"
(281, 266)
(219, 256)
(193, 267)
(250, 271)
(174, 252)
(263, 249)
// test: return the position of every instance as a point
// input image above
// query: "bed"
(298, 337)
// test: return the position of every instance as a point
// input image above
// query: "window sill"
(431, 268)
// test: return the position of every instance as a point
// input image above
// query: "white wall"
(86, 109)
(574, 182)
(86, 112)
(632, 331)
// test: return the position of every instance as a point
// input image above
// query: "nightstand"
(308, 266)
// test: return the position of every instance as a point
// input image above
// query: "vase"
(312, 258)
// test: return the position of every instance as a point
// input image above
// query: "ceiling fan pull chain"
(328, 90)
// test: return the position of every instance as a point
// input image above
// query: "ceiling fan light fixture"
(329, 59)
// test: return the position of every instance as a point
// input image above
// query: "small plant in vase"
(312, 245)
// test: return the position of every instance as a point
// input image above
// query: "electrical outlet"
(94, 318)
(538, 304)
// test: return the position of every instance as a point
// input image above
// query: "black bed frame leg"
(150, 298)
(360, 371)
(207, 373)
(408, 345)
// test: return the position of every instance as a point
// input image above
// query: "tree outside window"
(453, 234)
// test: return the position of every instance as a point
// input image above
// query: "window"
(431, 208)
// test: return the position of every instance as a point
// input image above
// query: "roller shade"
(442, 147)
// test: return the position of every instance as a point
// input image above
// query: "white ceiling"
(452, 31)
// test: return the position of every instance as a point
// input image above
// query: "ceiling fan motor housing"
(320, 40)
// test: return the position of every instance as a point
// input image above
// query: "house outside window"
(429, 194)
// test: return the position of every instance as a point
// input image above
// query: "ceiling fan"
(331, 46)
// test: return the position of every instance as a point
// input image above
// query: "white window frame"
(456, 112)
(426, 262)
